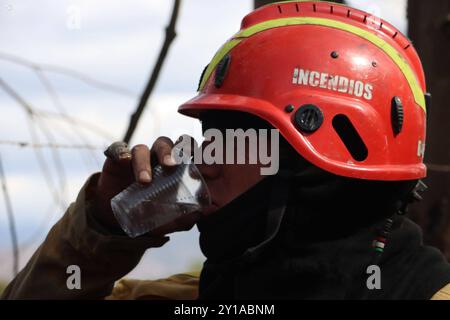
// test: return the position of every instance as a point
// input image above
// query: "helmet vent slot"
(350, 137)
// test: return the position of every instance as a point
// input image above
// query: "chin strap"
(380, 241)
(277, 208)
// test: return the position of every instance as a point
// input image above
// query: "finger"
(141, 163)
(162, 149)
(118, 151)
(118, 159)
(120, 169)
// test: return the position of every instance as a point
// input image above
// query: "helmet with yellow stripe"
(345, 89)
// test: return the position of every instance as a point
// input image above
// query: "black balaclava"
(307, 234)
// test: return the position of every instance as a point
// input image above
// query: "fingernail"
(169, 161)
(125, 155)
(144, 176)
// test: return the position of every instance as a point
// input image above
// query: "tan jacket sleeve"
(443, 294)
(177, 287)
(76, 239)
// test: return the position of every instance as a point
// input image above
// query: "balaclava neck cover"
(321, 249)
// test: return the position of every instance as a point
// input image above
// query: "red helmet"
(345, 89)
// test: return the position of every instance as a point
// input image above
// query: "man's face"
(228, 181)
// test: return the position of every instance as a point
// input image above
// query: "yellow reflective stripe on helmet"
(293, 1)
(275, 23)
(216, 59)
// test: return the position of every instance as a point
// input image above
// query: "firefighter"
(346, 90)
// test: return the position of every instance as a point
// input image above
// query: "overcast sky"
(116, 42)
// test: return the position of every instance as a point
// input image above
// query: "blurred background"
(72, 72)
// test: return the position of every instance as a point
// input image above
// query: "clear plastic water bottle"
(142, 208)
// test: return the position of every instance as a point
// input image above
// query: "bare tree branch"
(68, 72)
(59, 165)
(35, 140)
(63, 111)
(26, 144)
(33, 111)
(12, 225)
(43, 165)
(170, 35)
(16, 97)
(79, 122)
(31, 114)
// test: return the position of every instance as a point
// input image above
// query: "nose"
(209, 171)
